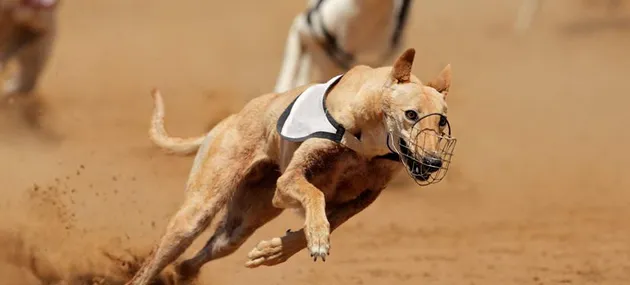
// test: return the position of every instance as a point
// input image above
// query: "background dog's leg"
(19, 38)
(235, 228)
(322, 66)
(278, 250)
(304, 72)
(292, 53)
(32, 59)
(191, 219)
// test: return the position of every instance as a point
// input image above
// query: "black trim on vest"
(336, 137)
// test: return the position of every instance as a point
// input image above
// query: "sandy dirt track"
(537, 194)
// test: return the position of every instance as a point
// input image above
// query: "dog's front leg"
(292, 56)
(294, 190)
(280, 249)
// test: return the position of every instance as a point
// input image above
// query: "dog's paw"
(318, 240)
(266, 253)
(276, 250)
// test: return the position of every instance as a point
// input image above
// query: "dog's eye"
(442, 121)
(411, 115)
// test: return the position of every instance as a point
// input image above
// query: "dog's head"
(415, 115)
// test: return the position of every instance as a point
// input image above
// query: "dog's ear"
(401, 71)
(442, 82)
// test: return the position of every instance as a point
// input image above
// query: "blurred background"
(537, 193)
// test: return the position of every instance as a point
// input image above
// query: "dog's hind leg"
(249, 209)
(183, 228)
(293, 51)
(208, 191)
(234, 230)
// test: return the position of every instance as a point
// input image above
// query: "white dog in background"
(334, 35)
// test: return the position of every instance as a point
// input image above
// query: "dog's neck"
(358, 107)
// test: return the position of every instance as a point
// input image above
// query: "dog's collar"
(292, 127)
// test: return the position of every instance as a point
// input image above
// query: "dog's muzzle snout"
(432, 163)
(427, 154)
(421, 168)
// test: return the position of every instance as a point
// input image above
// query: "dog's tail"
(160, 137)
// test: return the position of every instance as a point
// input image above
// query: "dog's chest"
(350, 175)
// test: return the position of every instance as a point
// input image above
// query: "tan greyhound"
(327, 150)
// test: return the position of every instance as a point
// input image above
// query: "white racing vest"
(307, 117)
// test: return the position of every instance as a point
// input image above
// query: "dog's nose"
(433, 163)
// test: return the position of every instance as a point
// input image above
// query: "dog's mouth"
(418, 170)
(426, 165)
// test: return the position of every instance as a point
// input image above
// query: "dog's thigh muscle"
(249, 209)
(191, 219)
(233, 231)
(204, 199)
